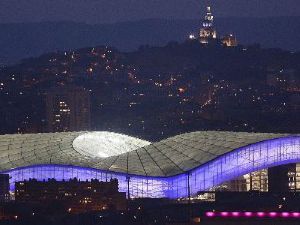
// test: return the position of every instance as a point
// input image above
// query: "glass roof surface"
(121, 153)
(103, 144)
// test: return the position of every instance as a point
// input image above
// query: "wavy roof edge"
(168, 157)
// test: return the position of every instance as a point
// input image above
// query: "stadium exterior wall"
(238, 162)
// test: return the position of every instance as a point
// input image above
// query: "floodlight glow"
(105, 144)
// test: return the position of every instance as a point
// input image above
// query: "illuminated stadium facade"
(175, 167)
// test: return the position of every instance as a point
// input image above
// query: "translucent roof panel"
(104, 144)
(121, 153)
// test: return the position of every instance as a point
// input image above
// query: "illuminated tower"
(208, 32)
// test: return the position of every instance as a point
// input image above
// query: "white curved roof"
(105, 144)
(121, 153)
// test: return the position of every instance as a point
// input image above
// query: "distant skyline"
(111, 11)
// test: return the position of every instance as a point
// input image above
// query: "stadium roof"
(121, 153)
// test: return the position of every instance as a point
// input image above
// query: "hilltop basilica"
(208, 33)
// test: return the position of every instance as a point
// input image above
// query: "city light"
(192, 36)
(195, 131)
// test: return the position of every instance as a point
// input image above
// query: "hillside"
(157, 92)
(18, 41)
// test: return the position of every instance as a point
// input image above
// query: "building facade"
(68, 109)
(75, 195)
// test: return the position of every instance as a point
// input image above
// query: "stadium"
(176, 167)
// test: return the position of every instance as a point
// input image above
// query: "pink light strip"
(239, 214)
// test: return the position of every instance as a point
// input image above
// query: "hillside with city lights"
(199, 131)
(156, 92)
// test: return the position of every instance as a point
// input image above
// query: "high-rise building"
(208, 32)
(68, 109)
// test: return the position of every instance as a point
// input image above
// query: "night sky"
(107, 11)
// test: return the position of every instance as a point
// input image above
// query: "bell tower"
(207, 31)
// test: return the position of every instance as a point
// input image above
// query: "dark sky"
(107, 11)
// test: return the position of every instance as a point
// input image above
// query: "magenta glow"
(235, 214)
(273, 214)
(296, 214)
(210, 214)
(224, 214)
(285, 214)
(261, 214)
(248, 214)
